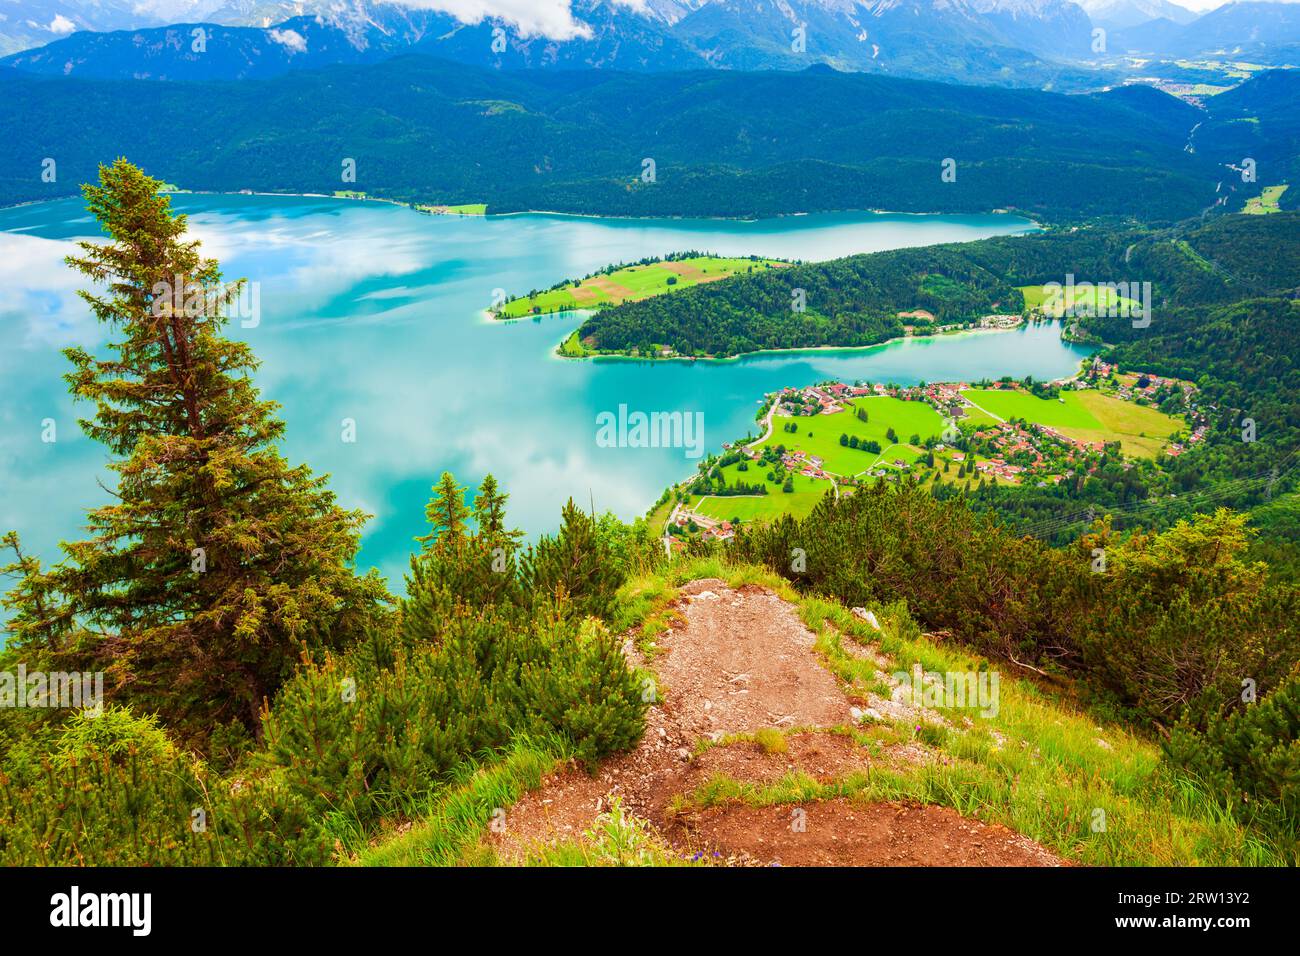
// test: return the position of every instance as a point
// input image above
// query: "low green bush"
(1249, 757)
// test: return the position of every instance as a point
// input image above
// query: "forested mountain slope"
(857, 300)
(994, 42)
(722, 143)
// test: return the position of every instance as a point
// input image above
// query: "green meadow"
(1006, 404)
(807, 492)
(631, 284)
(1057, 302)
(820, 434)
(1266, 202)
(464, 209)
(1087, 415)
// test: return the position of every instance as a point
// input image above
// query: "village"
(960, 442)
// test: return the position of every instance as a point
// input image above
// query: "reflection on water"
(373, 313)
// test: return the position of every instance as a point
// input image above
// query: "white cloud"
(61, 24)
(292, 40)
(550, 18)
(39, 306)
(1203, 6)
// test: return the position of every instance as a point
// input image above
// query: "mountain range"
(31, 23)
(1007, 42)
(1257, 32)
(1045, 44)
(724, 143)
(1123, 14)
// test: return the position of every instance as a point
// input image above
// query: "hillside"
(990, 42)
(784, 730)
(860, 300)
(628, 283)
(1252, 31)
(722, 143)
(1223, 321)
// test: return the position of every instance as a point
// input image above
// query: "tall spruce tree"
(446, 513)
(216, 563)
(490, 515)
(456, 568)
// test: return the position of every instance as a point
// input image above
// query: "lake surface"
(374, 313)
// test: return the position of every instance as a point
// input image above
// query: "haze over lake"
(374, 313)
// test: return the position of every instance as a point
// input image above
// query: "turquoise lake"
(374, 313)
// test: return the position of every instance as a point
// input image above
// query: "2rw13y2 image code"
(456, 449)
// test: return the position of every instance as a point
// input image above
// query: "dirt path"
(735, 662)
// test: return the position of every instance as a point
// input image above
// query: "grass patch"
(1067, 412)
(1056, 302)
(771, 740)
(464, 209)
(614, 839)
(450, 830)
(747, 508)
(632, 283)
(1090, 790)
(1266, 202)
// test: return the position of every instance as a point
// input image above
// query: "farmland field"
(1007, 404)
(820, 434)
(632, 283)
(1142, 431)
(1087, 415)
(1265, 202)
(807, 492)
(1056, 302)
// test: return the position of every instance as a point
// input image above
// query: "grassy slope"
(1043, 765)
(1055, 303)
(632, 284)
(1088, 415)
(1266, 202)
(820, 435)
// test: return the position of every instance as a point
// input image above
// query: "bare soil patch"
(736, 661)
(616, 291)
(847, 833)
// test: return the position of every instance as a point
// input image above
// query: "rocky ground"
(736, 662)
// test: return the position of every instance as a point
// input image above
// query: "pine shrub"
(1249, 756)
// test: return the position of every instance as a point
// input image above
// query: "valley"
(657, 433)
(395, 294)
(835, 437)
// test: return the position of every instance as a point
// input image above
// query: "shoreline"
(1034, 224)
(806, 349)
